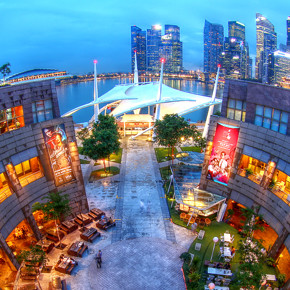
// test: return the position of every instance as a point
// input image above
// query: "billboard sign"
(57, 146)
(222, 154)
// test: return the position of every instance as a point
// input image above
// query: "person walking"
(193, 228)
(99, 259)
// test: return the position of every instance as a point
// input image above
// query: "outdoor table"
(68, 226)
(217, 287)
(105, 223)
(90, 234)
(65, 265)
(51, 234)
(227, 238)
(82, 219)
(96, 214)
(227, 252)
(46, 245)
(217, 271)
(270, 277)
(77, 249)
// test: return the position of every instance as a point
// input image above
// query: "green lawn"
(164, 154)
(116, 157)
(83, 161)
(100, 173)
(80, 149)
(191, 148)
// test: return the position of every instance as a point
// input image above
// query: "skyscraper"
(279, 66)
(171, 49)
(235, 57)
(138, 44)
(288, 32)
(213, 46)
(153, 44)
(237, 30)
(266, 43)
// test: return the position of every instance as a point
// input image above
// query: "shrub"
(185, 257)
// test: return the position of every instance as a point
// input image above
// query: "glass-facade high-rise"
(138, 44)
(266, 43)
(213, 46)
(171, 49)
(288, 32)
(153, 45)
(279, 66)
(235, 57)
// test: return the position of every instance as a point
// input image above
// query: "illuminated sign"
(222, 154)
(58, 151)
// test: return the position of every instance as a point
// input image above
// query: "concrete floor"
(142, 251)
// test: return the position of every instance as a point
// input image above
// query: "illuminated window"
(5, 190)
(280, 185)
(270, 118)
(252, 168)
(28, 171)
(11, 119)
(236, 110)
(42, 111)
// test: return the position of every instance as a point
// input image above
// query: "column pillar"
(9, 253)
(30, 219)
(278, 246)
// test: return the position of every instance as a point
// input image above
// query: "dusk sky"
(68, 34)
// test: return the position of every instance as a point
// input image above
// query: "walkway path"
(141, 209)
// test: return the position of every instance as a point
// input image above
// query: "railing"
(5, 192)
(28, 178)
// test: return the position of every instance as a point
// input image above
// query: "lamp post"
(215, 240)
(211, 285)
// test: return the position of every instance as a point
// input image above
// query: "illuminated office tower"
(138, 44)
(235, 57)
(171, 49)
(213, 46)
(288, 31)
(153, 45)
(279, 66)
(266, 44)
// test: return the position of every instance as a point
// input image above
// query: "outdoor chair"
(201, 234)
(197, 246)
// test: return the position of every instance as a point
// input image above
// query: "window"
(11, 119)
(236, 110)
(252, 168)
(28, 171)
(280, 185)
(5, 190)
(270, 118)
(42, 111)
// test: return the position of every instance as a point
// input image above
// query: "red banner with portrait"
(57, 146)
(223, 152)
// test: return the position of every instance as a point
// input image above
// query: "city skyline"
(69, 35)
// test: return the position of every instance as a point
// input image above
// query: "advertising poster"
(222, 154)
(58, 151)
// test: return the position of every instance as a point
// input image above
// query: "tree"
(83, 134)
(5, 70)
(172, 130)
(200, 141)
(55, 208)
(104, 139)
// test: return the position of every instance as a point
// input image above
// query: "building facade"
(279, 67)
(138, 44)
(171, 49)
(288, 31)
(235, 57)
(213, 46)
(266, 43)
(153, 48)
(257, 171)
(38, 155)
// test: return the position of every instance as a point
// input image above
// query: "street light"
(215, 240)
(211, 285)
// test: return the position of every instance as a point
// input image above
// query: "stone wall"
(274, 210)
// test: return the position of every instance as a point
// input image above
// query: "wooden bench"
(77, 249)
(82, 219)
(68, 226)
(90, 235)
(105, 224)
(96, 214)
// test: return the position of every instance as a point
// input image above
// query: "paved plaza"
(142, 251)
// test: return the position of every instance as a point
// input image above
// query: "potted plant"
(249, 172)
(272, 184)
